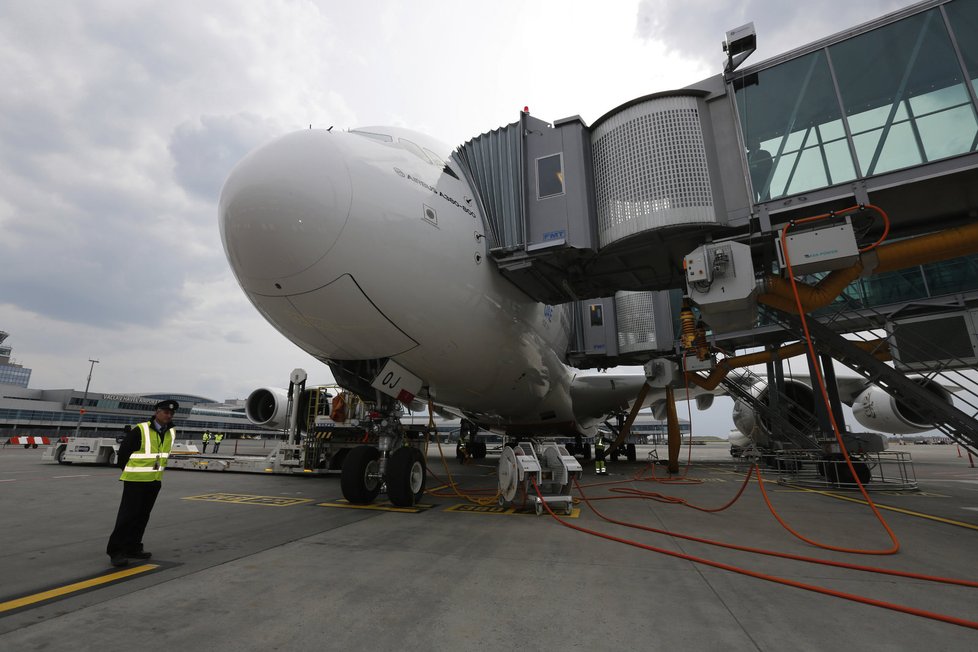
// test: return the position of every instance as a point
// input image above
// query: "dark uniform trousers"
(138, 499)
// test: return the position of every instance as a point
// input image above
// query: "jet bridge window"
(597, 316)
(550, 176)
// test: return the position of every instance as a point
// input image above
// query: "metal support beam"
(675, 438)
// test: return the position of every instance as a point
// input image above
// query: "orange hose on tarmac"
(831, 413)
(762, 576)
(775, 553)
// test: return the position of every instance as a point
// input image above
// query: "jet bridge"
(576, 212)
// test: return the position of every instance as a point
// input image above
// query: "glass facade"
(14, 375)
(891, 98)
(903, 286)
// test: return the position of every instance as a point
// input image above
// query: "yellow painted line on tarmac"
(900, 510)
(379, 507)
(17, 603)
(248, 499)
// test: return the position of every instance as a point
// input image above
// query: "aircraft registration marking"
(75, 587)
(380, 507)
(247, 499)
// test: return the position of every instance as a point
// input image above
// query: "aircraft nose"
(284, 206)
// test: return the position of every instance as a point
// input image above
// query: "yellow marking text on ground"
(75, 587)
(247, 499)
(380, 507)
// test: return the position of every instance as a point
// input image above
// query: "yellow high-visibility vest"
(147, 462)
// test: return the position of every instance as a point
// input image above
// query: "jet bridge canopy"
(576, 212)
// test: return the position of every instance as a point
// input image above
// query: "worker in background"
(218, 438)
(205, 439)
(142, 456)
(599, 465)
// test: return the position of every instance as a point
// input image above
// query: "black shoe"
(119, 560)
(142, 554)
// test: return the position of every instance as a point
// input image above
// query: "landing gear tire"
(587, 452)
(406, 475)
(358, 479)
(460, 452)
(539, 508)
(630, 454)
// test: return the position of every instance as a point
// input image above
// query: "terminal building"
(11, 372)
(59, 412)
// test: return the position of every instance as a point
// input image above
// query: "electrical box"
(661, 372)
(725, 291)
(819, 250)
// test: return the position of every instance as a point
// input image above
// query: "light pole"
(81, 413)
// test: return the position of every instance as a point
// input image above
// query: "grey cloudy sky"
(119, 120)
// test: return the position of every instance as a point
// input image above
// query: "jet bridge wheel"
(359, 478)
(508, 475)
(406, 475)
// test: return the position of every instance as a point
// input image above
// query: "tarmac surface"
(247, 562)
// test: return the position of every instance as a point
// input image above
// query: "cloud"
(205, 149)
(697, 28)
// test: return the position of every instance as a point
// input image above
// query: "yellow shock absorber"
(687, 321)
(702, 346)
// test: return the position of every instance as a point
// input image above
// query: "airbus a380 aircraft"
(367, 249)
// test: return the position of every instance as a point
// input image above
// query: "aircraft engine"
(268, 406)
(877, 410)
(799, 405)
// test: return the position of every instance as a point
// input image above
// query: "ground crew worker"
(599, 466)
(206, 439)
(218, 438)
(142, 456)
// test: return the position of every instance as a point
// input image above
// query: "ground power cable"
(821, 383)
(953, 620)
(471, 495)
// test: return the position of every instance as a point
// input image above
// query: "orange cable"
(825, 397)
(770, 578)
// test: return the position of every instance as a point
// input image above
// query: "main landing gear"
(391, 466)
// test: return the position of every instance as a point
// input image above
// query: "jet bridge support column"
(675, 439)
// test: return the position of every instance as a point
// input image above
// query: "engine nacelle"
(800, 405)
(877, 410)
(269, 407)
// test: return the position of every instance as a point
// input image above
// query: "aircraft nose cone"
(284, 206)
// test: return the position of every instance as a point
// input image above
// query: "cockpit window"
(442, 163)
(424, 154)
(384, 138)
(414, 149)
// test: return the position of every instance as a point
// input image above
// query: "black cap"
(168, 404)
